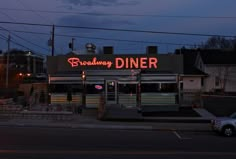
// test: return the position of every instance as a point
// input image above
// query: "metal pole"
(72, 44)
(7, 65)
(53, 34)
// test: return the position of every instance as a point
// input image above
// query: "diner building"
(149, 82)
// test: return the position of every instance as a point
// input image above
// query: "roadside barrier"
(65, 116)
(15, 112)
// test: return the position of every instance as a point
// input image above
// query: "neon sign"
(132, 63)
(74, 61)
(98, 87)
(116, 63)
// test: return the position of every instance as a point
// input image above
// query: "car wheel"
(227, 131)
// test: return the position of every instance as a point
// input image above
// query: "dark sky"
(217, 17)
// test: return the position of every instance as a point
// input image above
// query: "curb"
(158, 120)
(104, 127)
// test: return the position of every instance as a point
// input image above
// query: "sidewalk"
(88, 120)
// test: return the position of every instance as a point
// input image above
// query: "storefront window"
(150, 87)
(169, 87)
(58, 88)
(127, 88)
(94, 88)
(77, 88)
(159, 87)
(62, 88)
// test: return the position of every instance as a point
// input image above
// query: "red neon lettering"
(143, 62)
(126, 62)
(153, 62)
(133, 63)
(74, 61)
(119, 63)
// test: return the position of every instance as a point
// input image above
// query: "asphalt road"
(23, 143)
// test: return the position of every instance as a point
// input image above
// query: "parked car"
(225, 125)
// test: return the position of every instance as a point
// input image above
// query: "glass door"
(111, 92)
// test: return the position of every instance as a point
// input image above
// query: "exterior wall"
(223, 72)
(192, 83)
(38, 87)
(121, 68)
(199, 63)
(166, 63)
(19, 62)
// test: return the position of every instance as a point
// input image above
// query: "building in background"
(220, 65)
(207, 71)
(22, 65)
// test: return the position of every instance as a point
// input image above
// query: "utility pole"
(53, 40)
(71, 44)
(7, 64)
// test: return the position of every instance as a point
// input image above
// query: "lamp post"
(71, 44)
(83, 76)
(7, 65)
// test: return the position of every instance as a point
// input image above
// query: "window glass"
(127, 88)
(217, 81)
(94, 88)
(63, 88)
(169, 87)
(150, 87)
(57, 88)
(202, 81)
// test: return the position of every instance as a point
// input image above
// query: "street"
(31, 142)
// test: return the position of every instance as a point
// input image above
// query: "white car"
(225, 125)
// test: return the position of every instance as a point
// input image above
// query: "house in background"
(220, 65)
(192, 79)
(208, 70)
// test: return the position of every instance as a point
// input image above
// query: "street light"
(83, 76)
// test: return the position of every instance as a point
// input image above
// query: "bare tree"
(217, 42)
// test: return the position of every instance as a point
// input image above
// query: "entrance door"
(111, 92)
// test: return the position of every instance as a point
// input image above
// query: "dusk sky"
(211, 17)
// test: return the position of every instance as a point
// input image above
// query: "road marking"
(180, 137)
(177, 134)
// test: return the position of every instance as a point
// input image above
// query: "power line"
(18, 35)
(109, 39)
(2, 37)
(16, 43)
(116, 14)
(25, 39)
(118, 30)
(122, 40)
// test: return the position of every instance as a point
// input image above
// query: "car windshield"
(233, 115)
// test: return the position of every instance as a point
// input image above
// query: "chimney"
(151, 50)
(108, 50)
